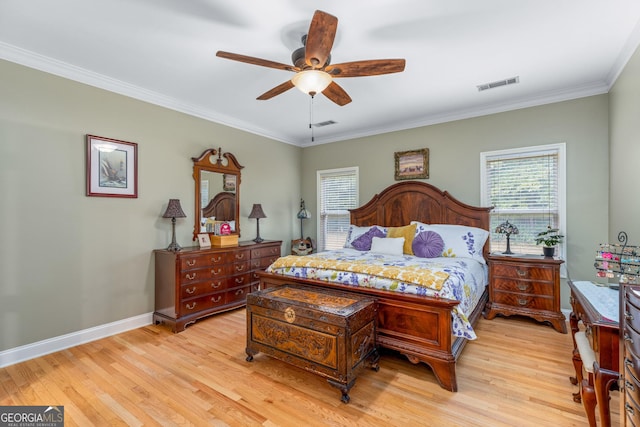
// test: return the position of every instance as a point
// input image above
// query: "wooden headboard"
(222, 207)
(407, 201)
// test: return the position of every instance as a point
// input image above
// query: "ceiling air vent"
(499, 83)
(325, 123)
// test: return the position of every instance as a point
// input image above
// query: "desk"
(597, 307)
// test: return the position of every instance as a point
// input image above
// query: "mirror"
(217, 194)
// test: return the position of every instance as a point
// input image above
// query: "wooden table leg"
(604, 381)
(588, 395)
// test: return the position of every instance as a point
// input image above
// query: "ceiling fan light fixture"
(311, 81)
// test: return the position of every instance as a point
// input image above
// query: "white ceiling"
(163, 52)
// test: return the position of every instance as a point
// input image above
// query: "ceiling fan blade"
(371, 67)
(320, 37)
(276, 90)
(256, 61)
(336, 94)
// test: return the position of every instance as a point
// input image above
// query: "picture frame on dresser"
(204, 241)
(111, 167)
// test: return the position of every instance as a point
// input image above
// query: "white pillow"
(355, 232)
(388, 245)
(459, 240)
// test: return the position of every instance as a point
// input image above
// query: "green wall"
(624, 209)
(454, 151)
(70, 262)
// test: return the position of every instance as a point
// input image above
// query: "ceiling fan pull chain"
(311, 117)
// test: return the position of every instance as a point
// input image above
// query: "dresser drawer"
(265, 252)
(238, 294)
(239, 267)
(523, 272)
(200, 261)
(523, 286)
(191, 276)
(204, 302)
(523, 300)
(631, 383)
(194, 289)
(240, 255)
(631, 340)
(262, 263)
(239, 280)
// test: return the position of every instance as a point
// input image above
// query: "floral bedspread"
(462, 279)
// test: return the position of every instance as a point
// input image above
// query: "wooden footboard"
(418, 327)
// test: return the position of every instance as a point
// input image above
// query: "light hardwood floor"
(515, 374)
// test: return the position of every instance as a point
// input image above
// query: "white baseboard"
(51, 345)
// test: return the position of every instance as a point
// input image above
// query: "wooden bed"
(419, 327)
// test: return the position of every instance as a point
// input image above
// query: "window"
(526, 186)
(337, 193)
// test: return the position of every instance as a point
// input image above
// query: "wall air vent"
(325, 123)
(499, 83)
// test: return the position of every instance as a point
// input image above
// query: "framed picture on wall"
(412, 164)
(112, 167)
(229, 182)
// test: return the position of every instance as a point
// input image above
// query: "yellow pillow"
(408, 232)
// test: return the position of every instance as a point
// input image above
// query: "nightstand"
(525, 285)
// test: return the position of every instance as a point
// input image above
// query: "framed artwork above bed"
(412, 164)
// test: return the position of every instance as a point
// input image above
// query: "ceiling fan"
(311, 63)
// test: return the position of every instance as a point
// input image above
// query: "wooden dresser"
(193, 283)
(526, 286)
(630, 354)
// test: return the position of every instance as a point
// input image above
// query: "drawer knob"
(218, 259)
(192, 306)
(240, 267)
(216, 272)
(628, 363)
(240, 292)
(627, 338)
(191, 262)
(523, 286)
(216, 299)
(629, 385)
(523, 301)
(239, 256)
(191, 291)
(628, 315)
(191, 276)
(521, 273)
(215, 285)
(239, 280)
(629, 409)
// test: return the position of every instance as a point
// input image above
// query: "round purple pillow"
(427, 244)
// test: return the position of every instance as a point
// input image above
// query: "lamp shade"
(507, 228)
(174, 210)
(311, 81)
(257, 212)
(303, 213)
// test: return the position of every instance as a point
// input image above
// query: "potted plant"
(549, 239)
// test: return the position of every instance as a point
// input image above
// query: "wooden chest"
(329, 333)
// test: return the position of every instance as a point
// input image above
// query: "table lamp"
(257, 213)
(174, 210)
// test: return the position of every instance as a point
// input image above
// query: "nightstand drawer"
(522, 272)
(523, 286)
(535, 302)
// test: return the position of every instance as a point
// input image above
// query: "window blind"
(338, 193)
(523, 188)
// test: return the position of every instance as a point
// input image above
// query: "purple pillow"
(427, 244)
(363, 242)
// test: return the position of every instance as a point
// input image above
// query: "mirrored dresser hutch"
(195, 282)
